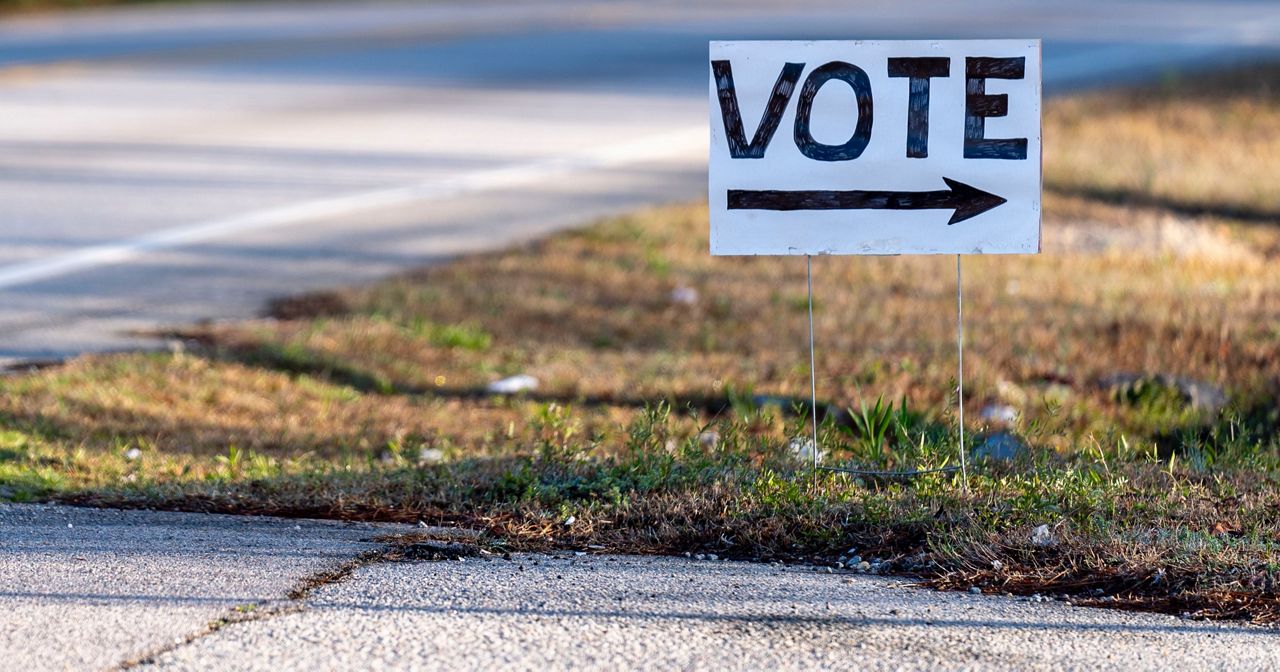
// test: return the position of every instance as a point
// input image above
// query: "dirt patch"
(310, 305)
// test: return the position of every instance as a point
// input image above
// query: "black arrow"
(967, 201)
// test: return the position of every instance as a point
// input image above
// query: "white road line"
(686, 142)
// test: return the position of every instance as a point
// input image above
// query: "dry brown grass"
(590, 317)
(1208, 142)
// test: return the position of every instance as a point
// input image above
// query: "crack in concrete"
(259, 611)
(428, 545)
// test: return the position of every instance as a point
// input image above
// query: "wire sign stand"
(813, 394)
(952, 168)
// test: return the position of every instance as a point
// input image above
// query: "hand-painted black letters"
(856, 78)
(919, 70)
(733, 131)
(978, 105)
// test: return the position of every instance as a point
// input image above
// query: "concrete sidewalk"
(86, 589)
(628, 613)
(103, 589)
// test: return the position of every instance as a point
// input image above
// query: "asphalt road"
(161, 165)
(90, 589)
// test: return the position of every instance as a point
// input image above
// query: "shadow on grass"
(101, 429)
(295, 360)
(37, 426)
(1128, 197)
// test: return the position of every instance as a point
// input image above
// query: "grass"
(1139, 353)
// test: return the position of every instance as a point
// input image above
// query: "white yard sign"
(917, 147)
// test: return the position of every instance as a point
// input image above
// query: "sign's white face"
(913, 147)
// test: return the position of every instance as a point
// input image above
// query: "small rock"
(1204, 396)
(69, 526)
(785, 404)
(712, 557)
(803, 449)
(700, 556)
(829, 570)
(685, 296)
(1056, 393)
(999, 414)
(864, 566)
(132, 454)
(1011, 392)
(1042, 537)
(1002, 446)
(570, 521)
(513, 384)
(1200, 395)
(996, 565)
(687, 554)
(708, 439)
(975, 590)
(423, 523)
(855, 560)
(431, 456)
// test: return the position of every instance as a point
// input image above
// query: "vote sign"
(862, 147)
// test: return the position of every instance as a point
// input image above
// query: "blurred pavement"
(167, 164)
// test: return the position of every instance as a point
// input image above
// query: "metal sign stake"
(813, 370)
(964, 468)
